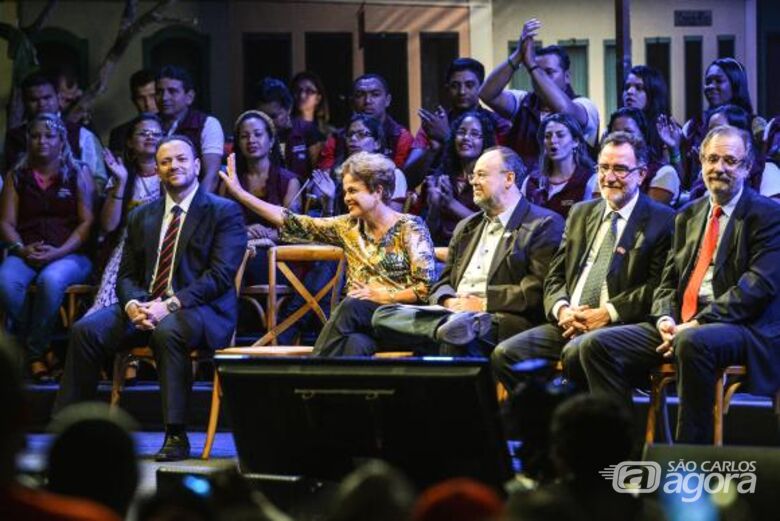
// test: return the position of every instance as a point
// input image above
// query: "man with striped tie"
(718, 303)
(175, 287)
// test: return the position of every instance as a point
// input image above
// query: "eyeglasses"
(359, 134)
(471, 133)
(620, 171)
(482, 175)
(307, 90)
(730, 161)
(148, 133)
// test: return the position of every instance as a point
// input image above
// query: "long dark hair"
(657, 93)
(274, 155)
(581, 156)
(639, 118)
(735, 72)
(451, 164)
(322, 113)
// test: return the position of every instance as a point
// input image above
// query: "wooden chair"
(70, 305)
(666, 374)
(253, 294)
(278, 259)
(121, 360)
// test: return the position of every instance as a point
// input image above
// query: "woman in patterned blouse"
(389, 254)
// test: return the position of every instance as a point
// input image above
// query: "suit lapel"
(152, 226)
(592, 223)
(629, 238)
(733, 229)
(694, 230)
(194, 215)
(505, 244)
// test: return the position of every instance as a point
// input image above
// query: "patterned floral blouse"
(402, 259)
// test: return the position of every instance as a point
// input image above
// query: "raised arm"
(492, 91)
(270, 212)
(544, 86)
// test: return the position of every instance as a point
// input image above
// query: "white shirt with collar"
(623, 216)
(475, 278)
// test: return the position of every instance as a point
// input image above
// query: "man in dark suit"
(718, 302)
(491, 286)
(175, 287)
(606, 268)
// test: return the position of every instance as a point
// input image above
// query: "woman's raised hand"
(230, 178)
(115, 165)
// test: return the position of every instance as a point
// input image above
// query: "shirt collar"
(728, 208)
(504, 216)
(624, 212)
(184, 205)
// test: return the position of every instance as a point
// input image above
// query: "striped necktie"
(165, 260)
(591, 291)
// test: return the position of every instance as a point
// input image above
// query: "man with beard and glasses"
(606, 269)
(717, 304)
(491, 286)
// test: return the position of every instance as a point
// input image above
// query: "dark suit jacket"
(636, 265)
(514, 289)
(746, 279)
(211, 246)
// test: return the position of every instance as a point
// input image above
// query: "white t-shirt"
(770, 180)
(212, 139)
(92, 155)
(667, 179)
(591, 129)
(400, 185)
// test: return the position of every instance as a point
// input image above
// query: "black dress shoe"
(175, 448)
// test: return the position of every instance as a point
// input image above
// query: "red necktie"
(166, 255)
(708, 244)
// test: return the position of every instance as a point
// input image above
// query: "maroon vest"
(48, 215)
(275, 190)
(192, 126)
(302, 135)
(573, 192)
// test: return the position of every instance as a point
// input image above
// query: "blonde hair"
(373, 170)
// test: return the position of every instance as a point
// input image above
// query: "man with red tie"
(175, 287)
(718, 303)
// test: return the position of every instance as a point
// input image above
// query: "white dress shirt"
(475, 278)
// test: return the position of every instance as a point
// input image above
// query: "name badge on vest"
(64, 193)
(299, 151)
(567, 202)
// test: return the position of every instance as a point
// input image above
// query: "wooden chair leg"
(652, 410)
(121, 362)
(211, 430)
(717, 438)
